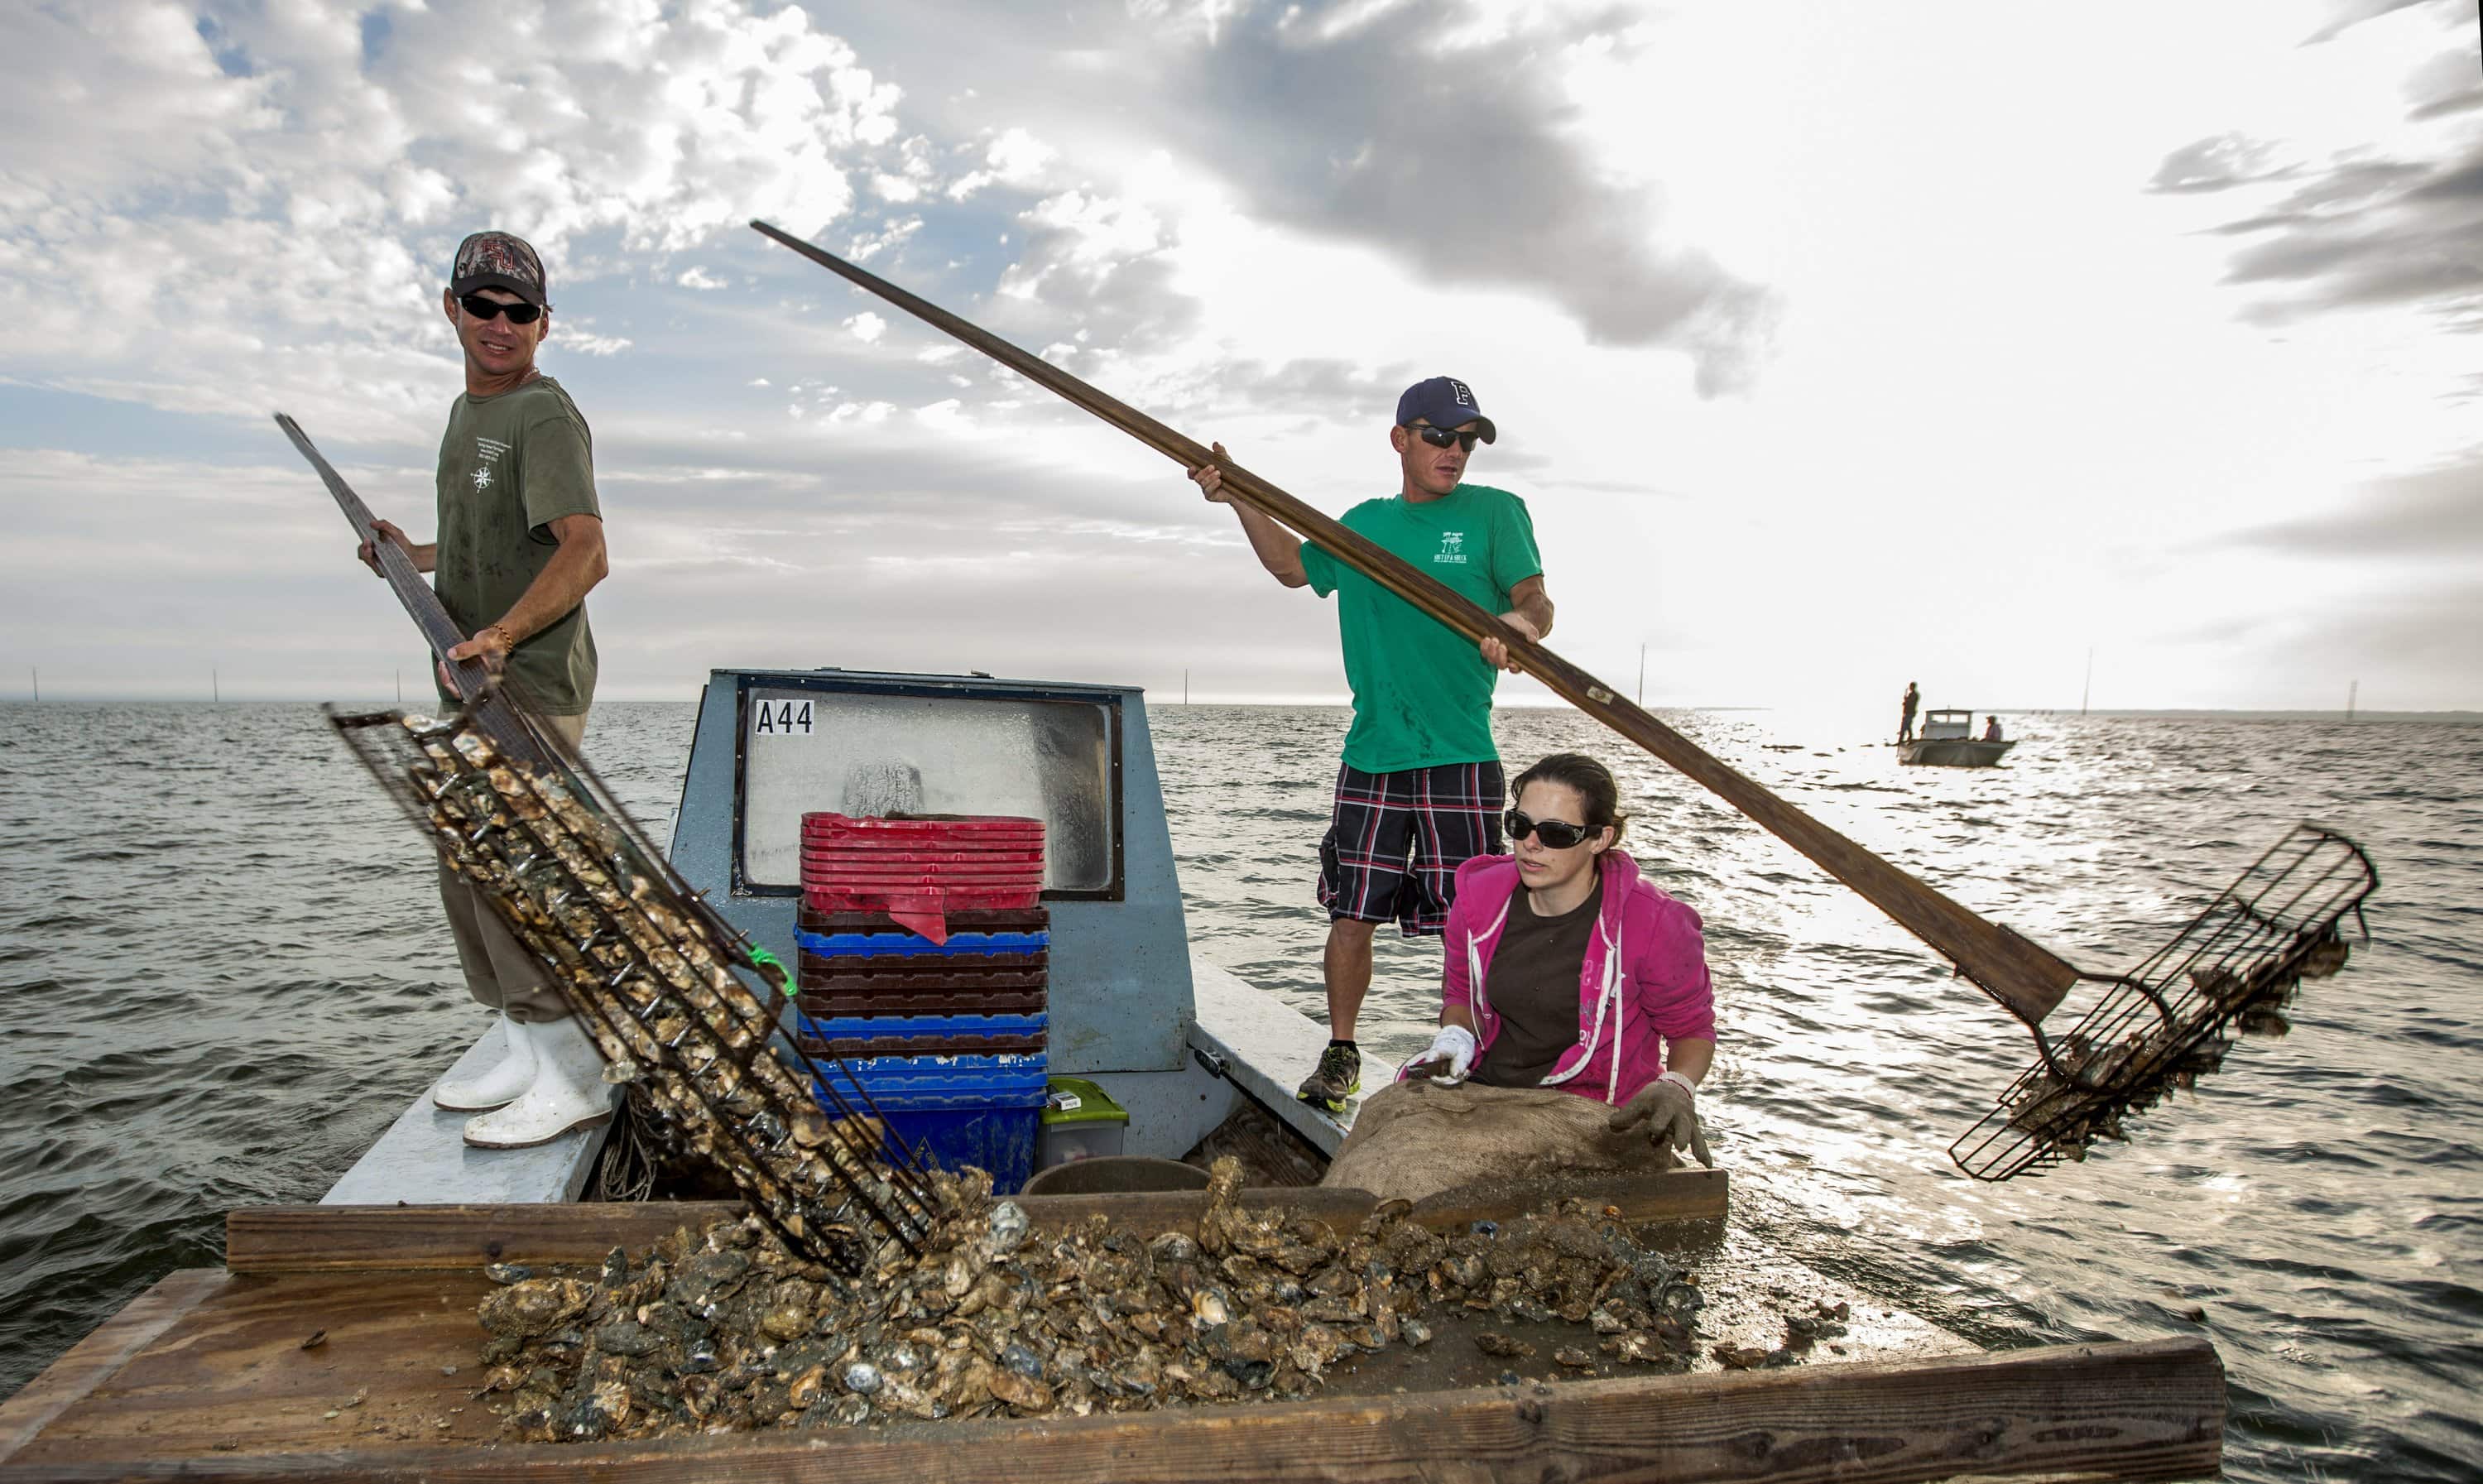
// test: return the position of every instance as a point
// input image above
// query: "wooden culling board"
(204, 1376)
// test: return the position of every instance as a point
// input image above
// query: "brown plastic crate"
(1014, 919)
(922, 1046)
(854, 975)
(929, 1002)
(854, 984)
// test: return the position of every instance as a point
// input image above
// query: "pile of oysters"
(724, 1329)
(2108, 1080)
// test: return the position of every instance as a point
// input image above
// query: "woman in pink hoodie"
(1568, 976)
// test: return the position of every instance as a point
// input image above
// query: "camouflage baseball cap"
(498, 260)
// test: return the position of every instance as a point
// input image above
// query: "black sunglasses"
(1554, 834)
(1442, 438)
(483, 308)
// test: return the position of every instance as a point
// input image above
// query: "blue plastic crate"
(903, 945)
(998, 1139)
(1007, 1079)
(870, 1026)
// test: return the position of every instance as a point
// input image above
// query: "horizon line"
(2305, 713)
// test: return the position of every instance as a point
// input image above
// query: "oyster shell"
(724, 1328)
(534, 1305)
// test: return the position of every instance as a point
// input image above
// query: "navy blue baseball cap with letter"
(1444, 401)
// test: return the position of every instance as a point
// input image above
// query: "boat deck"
(342, 1340)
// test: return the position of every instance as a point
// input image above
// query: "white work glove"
(1669, 1109)
(1450, 1056)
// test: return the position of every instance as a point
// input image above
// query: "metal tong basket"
(660, 981)
(2171, 1020)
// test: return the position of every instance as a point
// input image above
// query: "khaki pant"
(1418, 1138)
(499, 971)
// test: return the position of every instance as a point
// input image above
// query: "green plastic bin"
(1079, 1122)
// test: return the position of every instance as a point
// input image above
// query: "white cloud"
(1215, 211)
(1016, 159)
(275, 224)
(135, 575)
(589, 344)
(892, 235)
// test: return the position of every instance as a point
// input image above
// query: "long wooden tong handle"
(498, 717)
(2021, 975)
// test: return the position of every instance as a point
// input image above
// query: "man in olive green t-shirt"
(1419, 790)
(520, 544)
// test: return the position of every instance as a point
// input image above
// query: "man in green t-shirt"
(1420, 789)
(520, 544)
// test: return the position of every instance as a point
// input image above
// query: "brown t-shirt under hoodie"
(1532, 985)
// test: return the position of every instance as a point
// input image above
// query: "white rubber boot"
(569, 1091)
(500, 1085)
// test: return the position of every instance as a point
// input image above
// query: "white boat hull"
(1953, 752)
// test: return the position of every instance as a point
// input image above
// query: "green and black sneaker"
(1339, 1076)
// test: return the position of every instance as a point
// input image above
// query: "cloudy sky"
(1832, 346)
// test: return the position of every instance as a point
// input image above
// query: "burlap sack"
(1417, 1138)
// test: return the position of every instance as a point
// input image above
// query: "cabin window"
(1053, 760)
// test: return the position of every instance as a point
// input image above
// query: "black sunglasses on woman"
(1554, 834)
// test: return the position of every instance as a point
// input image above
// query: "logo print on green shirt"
(1452, 548)
(487, 452)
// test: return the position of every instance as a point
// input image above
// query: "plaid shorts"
(1396, 840)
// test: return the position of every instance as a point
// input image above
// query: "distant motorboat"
(1947, 740)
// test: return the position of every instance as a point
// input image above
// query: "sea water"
(223, 973)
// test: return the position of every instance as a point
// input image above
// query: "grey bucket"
(1113, 1174)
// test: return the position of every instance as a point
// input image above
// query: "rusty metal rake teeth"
(2171, 1020)
(659, 980)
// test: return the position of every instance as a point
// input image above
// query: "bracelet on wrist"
(1679, 1080)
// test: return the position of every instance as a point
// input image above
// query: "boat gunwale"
(396, 1238)
(2138, 1410)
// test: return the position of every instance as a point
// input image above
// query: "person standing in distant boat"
(1991, 728)
(1905, 721)
(1419, 790)
(520, 544)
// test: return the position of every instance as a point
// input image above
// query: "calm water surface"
(221, 975)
